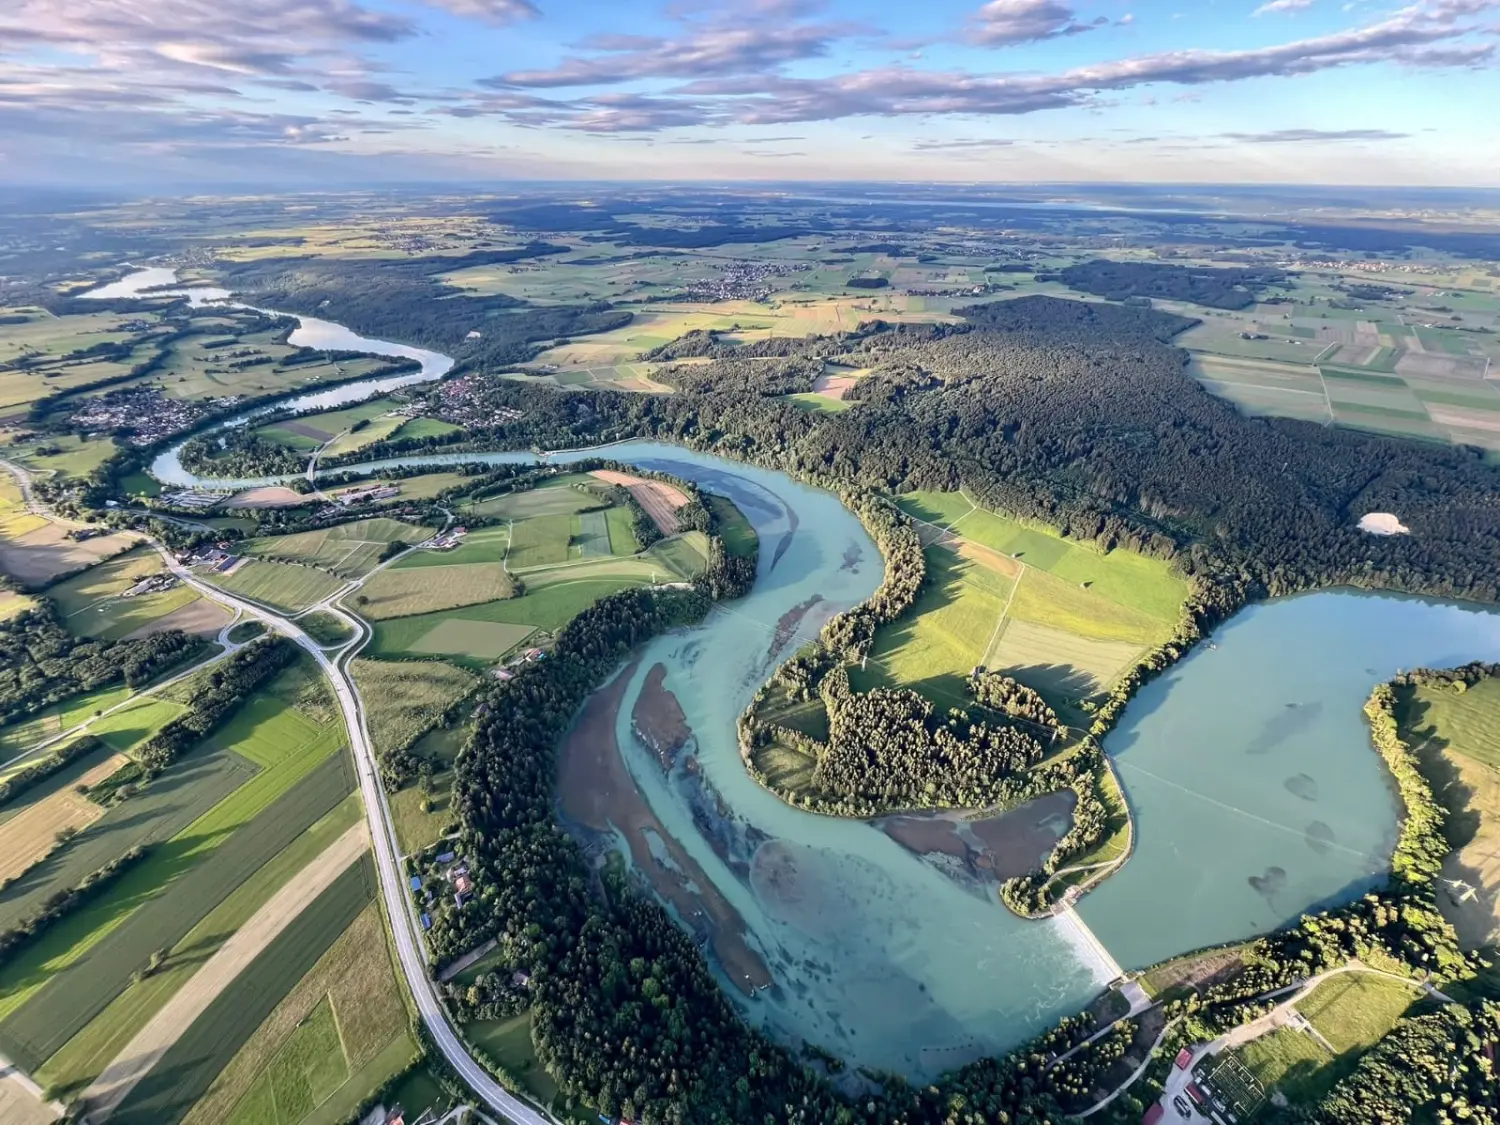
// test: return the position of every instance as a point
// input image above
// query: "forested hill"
(1080, 415)
(411, 302)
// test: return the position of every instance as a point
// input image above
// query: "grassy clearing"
(739, 537)
(348, 549)
(326, 628)
(404, 591)
(1129, 580)
(1457, 737)
(483, 545)
(283, 586)
(354, 982)
(416, 828)
(818, 404)
(1292, 1062)
(540, 541)
(508, 1043)
(82, 1058)
(405, 700)
(947, 633)
(686, 555)
(621, 525)
(211, 1044)
(1353, 1011)
(558, 496)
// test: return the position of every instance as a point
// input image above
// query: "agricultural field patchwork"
(480, 545)
(347, 549)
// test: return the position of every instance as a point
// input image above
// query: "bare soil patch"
(658, 718)
(597, 792)
(201, 618)
(42, 555)
(660, 500)
(272, 496)
(990, 848)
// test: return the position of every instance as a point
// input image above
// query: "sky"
(307, 93)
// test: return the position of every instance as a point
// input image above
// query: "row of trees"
(58, 906)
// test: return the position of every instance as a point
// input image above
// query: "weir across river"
(1089, 943)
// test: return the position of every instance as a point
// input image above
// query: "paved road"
(399, 906)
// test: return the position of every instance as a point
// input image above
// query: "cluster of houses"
(742, 281)
(198, 498)
(216, 558)
(445, 540)
(464, 402)
(367, 495)
(507, 670)
(456, 875)
(151, 584)
(146, 413)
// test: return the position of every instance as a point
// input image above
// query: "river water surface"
(1248, 766)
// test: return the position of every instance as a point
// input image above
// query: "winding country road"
(400, 909)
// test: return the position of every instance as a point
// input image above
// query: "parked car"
(1180, 1104)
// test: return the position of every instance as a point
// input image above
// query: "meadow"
(288, 587)
(325, 628)
(401, 591)
(1457, 739)
(417, 828)
(347, 549)
(406, 699)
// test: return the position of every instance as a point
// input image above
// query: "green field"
(82, 1058)
(540, 541)
(348, 549)
(482, 545)
(188, 1069)
(818, 404)
(309, 431)
(739, 537)
(508, 1043)
(404, 700)
(106, 580)
(22, 734)
(1123, 577)
(350, 991)
(284, 586)
(1353, 1011)
(563, 495)
(325, 628)
(934, 647)
(401, 591)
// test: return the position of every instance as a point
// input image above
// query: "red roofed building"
(1184, 1059)
(1196, 1094)
(1154, 1114)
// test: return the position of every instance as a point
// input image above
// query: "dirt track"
(660, 500)
(153, 1041)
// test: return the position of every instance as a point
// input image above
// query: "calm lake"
(1249, 768)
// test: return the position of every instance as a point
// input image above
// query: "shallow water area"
(1248, 767)
(1256, 792)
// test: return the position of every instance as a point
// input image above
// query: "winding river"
(1248, 767)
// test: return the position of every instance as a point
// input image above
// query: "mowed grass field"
(1057, 615)
(401, 591)
(1457, 738)
(1351, 1011)
(289, 587)
(347, 549)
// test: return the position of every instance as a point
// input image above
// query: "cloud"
(718, 50)
(1004, 23)
(1303, 136)
(1282, 6)
(969, 143)
(490, 11)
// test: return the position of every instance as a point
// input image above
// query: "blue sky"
(308, 92)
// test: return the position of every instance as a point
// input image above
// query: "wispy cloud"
(1282, 6)
(1005, 23)
(1305, 136)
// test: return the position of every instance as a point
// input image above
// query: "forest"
(1216, 287)
(41, 663)
(408, 300)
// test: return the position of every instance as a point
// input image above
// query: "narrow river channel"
(1256, 792)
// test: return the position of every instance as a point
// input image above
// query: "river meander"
(1248, 767)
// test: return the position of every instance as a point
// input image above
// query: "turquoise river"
(1248, 768)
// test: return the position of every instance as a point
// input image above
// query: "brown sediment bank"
(1001, 847)
(597, 791)
(788, 624)
(658, 719)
